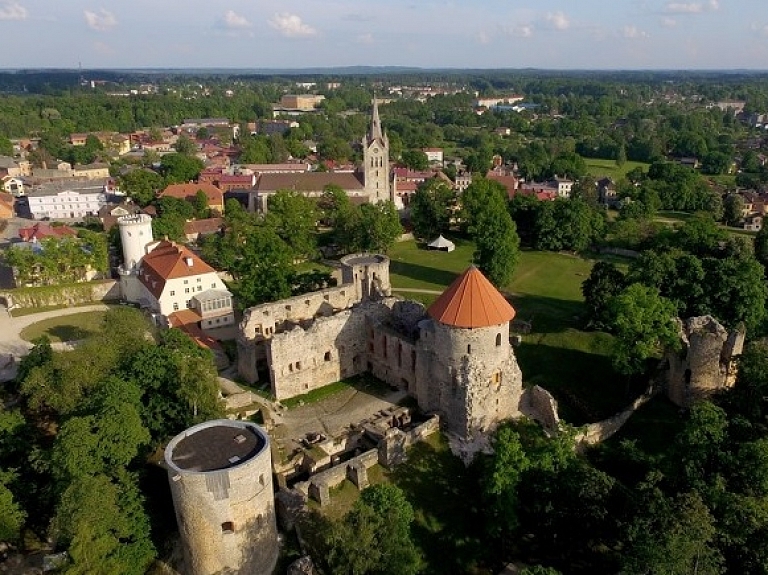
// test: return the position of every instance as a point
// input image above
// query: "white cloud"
(291, 26)
(633, 33)
(668, 22)
(518, 30)
(102, 21)
(235, 21)
(365, 38)
(691, 7)
(13, 11)
(558, 20)
(483, 37)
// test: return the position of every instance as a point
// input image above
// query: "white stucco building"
(66, 202)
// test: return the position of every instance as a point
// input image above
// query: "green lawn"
(66, 328)
(607, 168)
(545, 290)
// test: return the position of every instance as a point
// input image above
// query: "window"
(199, 280)
(186, 290)
(228, 527)
(175, 306)
(469, 349)
(326, 297)
(327, 356)
(189, 303)
(298, 365)
(173, 292)
(186, 282)
(498, 339)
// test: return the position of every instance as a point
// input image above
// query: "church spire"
(376, 133)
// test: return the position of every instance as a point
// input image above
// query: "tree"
(415, 160)
(621, 156)
(733, 207)
(141, 185)
(604, 282)
(294, 217)
(12, 516)
(377, 227)
(262, 268)
(177, 168)
(761, 247)
(200, 205)
(381, 522)
(672, 535)
(184, 145)
(430, 208)
(642, 322)
(492, 228)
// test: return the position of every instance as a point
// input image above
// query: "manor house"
(454, 358)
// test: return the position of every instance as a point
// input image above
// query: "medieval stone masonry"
(455, 359)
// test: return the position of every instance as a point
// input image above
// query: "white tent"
(441, 244)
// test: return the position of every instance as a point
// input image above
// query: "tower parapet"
(368, 274)
(135, 234)
(220, 474)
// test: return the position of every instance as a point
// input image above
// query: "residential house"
(91, 171)
(434, 155)
(188, 192)
(109, 213)
(172, 276)
(41, 231)
(753, 223)
(13, 186)
(15, 168)
(606, 192)
(194, 229)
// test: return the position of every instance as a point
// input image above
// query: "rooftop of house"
(188, 192)
(471, 301)
(309, 181)
(169, 260)
(40, 231)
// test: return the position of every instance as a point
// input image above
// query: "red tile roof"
(206, 226)
(188, 191)
(471, 301)
(169, 261)
(40, 231)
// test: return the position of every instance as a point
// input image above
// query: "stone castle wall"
(70, 295)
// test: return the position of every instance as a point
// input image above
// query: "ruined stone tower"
(467, 370)
(376, 159)
(367, 273)
(706, 363)
(220, 474)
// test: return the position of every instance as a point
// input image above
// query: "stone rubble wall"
(69, 295)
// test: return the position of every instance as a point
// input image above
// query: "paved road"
(10, 327)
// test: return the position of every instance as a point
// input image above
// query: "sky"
(551, 34)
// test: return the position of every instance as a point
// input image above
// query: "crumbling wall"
(705, 364)
(331, 349)
(541, 406)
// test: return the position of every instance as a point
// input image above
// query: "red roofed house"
(189, 191)
(176, 279)
(41, 231)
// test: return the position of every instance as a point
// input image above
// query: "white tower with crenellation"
(136, 236)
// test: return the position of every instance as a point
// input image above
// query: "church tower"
(376, 160)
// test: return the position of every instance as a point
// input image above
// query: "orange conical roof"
(471, 301)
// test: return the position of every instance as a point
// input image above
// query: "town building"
(67, 201)
(166, 278)
(188, 192)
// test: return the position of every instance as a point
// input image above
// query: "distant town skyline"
(588, 34)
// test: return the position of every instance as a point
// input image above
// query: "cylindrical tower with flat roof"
(220, 474)
(368, 273)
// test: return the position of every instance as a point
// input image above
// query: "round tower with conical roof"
(467, 369)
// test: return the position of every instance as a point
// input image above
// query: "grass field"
(66, 328)
(608, 168)
(546, 291)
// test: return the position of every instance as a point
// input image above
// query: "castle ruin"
(455, 358)
(706, 362)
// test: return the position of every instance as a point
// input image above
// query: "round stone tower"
(368, 273)
(220, 474)
(135, 234)
(471, 376)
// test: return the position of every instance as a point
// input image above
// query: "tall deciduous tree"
(492, 228)
(604, 282)
(643, 323)
(294, 217)
(430, 208)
